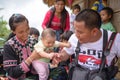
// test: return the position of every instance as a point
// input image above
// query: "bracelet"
(30, 59)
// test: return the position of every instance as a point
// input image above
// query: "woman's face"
(59, 6)
(22, 31)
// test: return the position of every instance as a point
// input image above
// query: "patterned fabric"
(15, 53)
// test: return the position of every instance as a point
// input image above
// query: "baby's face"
(48, 41)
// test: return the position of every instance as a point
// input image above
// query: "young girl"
(57, 18)
(45, 48)
(106, 16)
(17, 50)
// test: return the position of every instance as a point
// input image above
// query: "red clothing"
(55, 23)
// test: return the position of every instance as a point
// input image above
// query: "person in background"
(17, 56)
(106, 16)
(57, 18)
(75, 10)
(45, 48)
(34, 33)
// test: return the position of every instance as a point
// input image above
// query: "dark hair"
(15, 19)
(76, 6)
(60, 0)
(10, 35)
(34, 31)
(66, 35)
(109, 11)
(91, 18)
(47, 31)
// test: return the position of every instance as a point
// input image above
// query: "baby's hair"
(76, 6)
(66, 35)
(34, 31)
(91, 18)
(48, 31)
(15, 19)
(109, 11)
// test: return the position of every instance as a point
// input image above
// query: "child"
(34, 33)
(45, 47)
(106, 16)
(76, 9)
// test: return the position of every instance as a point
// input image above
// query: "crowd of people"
(29, 54)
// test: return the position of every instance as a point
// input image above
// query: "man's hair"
(91, 18)
(109, 11)
(47, 31)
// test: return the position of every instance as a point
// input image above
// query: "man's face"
(83, 34)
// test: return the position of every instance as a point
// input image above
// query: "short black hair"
(76, 6)
(34, 31)
(91, 18)
(66, 35)
(109, 11)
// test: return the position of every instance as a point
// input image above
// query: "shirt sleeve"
(46, 19)
(11, 65)
(38, 47)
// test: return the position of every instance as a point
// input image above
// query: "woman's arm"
(11, 65)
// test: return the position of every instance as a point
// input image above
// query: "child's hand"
(51, 55)
(68, 45)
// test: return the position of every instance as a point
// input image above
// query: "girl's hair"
(15, 19)
(109, 11)
(47, 31)
(91, 18)
(34, 31)
(66, 35)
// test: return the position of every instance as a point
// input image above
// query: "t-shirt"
(72, 18)
(55, 23)
(108, 26)
(40, 47)
(91, 53)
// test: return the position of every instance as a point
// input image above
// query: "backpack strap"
(77, 50)
(106, 51)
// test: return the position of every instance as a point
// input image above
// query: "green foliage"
(4, 31)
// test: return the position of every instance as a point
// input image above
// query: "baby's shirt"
(39, 47)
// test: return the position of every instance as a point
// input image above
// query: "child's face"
(48, 41)
(76, 11)
(22, 31)
(104, 16)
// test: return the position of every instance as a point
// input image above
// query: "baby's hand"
(51, 55)
(68, 45)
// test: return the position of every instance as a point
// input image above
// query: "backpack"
(58, 73)
(77, 72)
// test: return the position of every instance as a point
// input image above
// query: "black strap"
(105, 40)
(77, 50)
(107, 50)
